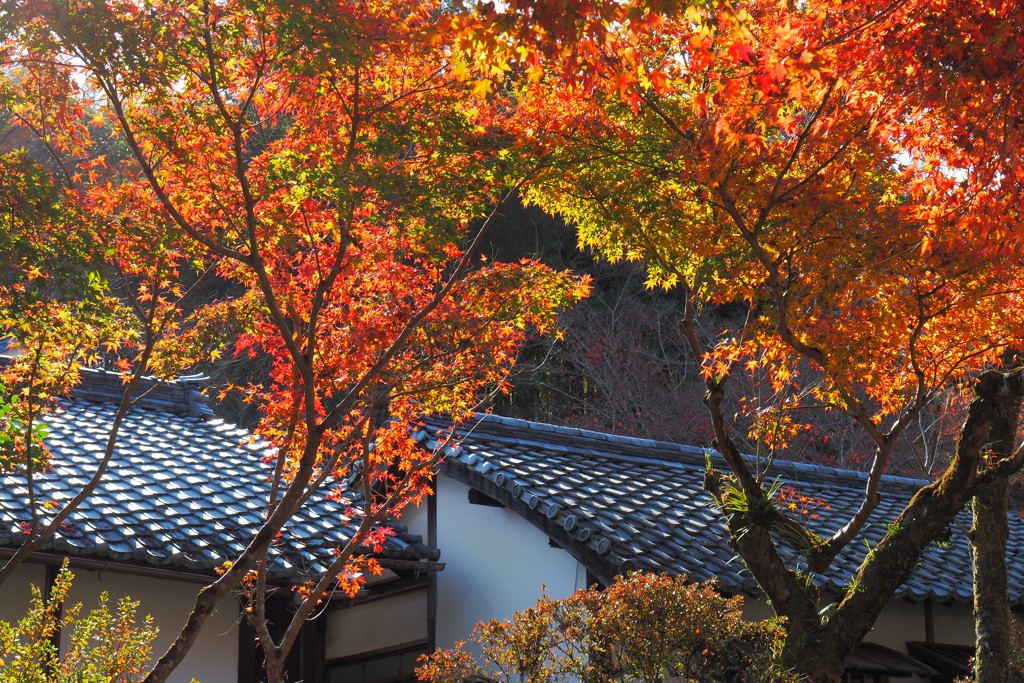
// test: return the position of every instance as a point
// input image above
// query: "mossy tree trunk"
(988, 536)
(819, 647)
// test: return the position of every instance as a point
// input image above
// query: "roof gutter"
(88, 564)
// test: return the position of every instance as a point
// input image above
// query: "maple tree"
(851, 173)
(330, 164)
(57, 312)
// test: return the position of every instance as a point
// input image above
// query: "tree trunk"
(818, 649)
(991, 603)
(275, 670)
(820, 662)
(988, 536)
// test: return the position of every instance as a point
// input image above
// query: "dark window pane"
(409, 661)
(346, 673)
(383, 669)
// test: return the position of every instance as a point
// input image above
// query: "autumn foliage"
(329, 174)
(641, 628)
(102, 645)
(848, 172)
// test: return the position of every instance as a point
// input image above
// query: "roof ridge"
(686, 453)
(587, 433)
(182, 395)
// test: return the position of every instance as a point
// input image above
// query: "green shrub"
(645, 628)
(103, 646)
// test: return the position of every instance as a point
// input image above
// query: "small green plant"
(13, 437)
(102, 646)
(645, 628)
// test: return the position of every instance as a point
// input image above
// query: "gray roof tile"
(181, 490)
(619, 502)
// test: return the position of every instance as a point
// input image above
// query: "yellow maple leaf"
(482, 87)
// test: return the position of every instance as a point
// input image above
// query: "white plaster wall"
(954, 623)
(415, 517)
(901, 622)
(214, 657)
(756, 610)
(14, 599)
(384, 623)
(495, 564)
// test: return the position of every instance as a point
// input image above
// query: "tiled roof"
(184, 490)
(619, 503)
